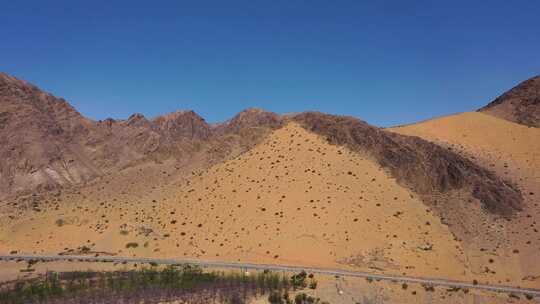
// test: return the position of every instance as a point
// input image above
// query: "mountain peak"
(521, 104)
(179, 114)
(249, 118)
(137, 119)
(185, 124)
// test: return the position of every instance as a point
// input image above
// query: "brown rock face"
(182, 124)
(38, 136)
(424, 167)
(249, 119)
(521, 104)
(46, 143)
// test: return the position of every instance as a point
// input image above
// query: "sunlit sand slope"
(513, 151)
(293, 199)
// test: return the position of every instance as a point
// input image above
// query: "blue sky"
(387, 62)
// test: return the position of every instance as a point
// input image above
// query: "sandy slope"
(293, 199)
(513, 151)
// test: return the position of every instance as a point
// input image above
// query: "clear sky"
(387, 62)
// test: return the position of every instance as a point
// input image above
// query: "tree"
(275, 298)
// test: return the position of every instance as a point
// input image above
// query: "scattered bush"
(298, 281)
(183, 284)
(132, 245)
(303, 298)
(428, 287)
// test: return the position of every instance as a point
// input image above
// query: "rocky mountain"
(49, 144)
(521, 104)
(443, 198)
(40, 139)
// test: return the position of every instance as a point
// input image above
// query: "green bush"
(298, 281)
(185, 283)
(275, 298)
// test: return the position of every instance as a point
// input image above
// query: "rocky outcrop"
(47, 144)
(521, 104)
(247, 119)
(38, 136)
(182, 124)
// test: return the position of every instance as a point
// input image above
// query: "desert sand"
(513, 151)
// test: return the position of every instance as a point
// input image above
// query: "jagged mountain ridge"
(50, 145)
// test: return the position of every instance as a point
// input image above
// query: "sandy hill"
(510, 149)
(521, 104)
(292, 199)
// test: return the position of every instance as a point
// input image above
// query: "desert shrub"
(303, 298)
(60, 222)
(300, 298)
(428, 287)
(27, 270)
(132, 245)
(298, 281)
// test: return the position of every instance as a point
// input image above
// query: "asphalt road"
(245, 266)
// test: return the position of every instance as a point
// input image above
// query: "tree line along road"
(245, 266)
